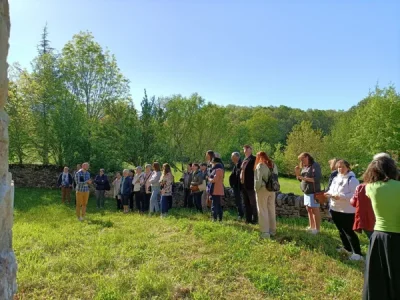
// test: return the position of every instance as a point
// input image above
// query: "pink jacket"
(218, 181)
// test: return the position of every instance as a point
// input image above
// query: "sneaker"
(309, 229)
(79, 219)
(265, 235)
(355, 256)
(314, 231)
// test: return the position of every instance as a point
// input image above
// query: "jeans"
(344, 223)
(187, 198)
(100, 198)
(238, 201)
(216, 207)
(165, 200)
(249, 198)
(197, 201)
(155, 192)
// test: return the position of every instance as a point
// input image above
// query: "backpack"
(272, 184)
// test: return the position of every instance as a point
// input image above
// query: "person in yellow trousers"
(82, 179)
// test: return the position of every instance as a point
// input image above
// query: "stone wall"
(8, 265)
(38, 176)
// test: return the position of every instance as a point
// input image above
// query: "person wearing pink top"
(216, 188)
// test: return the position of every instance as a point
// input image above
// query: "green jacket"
(261, 175)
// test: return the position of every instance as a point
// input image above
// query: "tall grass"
(185, 256)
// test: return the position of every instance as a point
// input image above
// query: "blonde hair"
(332, 163)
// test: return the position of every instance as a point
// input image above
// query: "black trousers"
(139, 199)
(382, 271)
(344, 223)
(238, 201)
(131, 200)
(119, 203)
(146, 202)
(197, 201)
(250, 204)
(187, 198)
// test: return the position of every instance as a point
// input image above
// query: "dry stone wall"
(8, 265)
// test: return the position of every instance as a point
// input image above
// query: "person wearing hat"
(137, 181)
(216, 188)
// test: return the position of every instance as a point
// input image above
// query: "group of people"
(372, 207)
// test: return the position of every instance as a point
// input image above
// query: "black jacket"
(248, 172)
(70, 179)
(101, 182)
(234, 178)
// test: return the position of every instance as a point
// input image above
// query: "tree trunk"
(8, 265)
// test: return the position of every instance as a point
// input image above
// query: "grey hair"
(139, 168)
(237, 154)
(381, 155)
(125, 171)
(148, 166)
(102, 170)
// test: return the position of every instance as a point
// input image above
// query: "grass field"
(185, 256)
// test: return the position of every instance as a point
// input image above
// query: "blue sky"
(306, 54)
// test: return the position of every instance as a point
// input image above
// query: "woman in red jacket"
(365, 217)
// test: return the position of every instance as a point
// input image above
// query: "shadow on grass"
(101, 223)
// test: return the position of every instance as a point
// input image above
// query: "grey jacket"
(197, 179)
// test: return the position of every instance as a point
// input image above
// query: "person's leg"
(204, 201)
(253, 204)
(352, 237)
(186, 193)
(147, 202)
(63, 194)
(310, 218)
(85, 200)
(163, 205)
(190, 200)
(169, 202)
(238, 202)
(198, 202)
(68, 195)
(97, 194)
(271, 213)
(317, 218)
(337, 218)
(262, 208)
(247, 206)
(216, 207)
(116, 199)
(78, 204)
(131, 201)
(103, 198)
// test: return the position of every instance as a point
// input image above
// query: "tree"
(263, 128)
(303, 138)
(92, 75)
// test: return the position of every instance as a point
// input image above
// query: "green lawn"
(117, 256)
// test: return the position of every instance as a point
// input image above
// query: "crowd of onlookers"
(372, 207)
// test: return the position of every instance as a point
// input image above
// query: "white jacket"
(343, 186)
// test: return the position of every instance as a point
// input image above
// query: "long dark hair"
(381, 169)
(166, 169)
(156, 166)
(311, 160)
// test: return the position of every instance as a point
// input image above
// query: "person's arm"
(97, 179)
(218, 176)
(257, 179)
(354, 200)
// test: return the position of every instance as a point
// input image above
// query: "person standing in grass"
(382, 271)
(78, 167)
(364, 220)
(65, 182)
(204, 173)
(146, 188)
(186, 180)
(197, 180)
(343, 213)
(166, 182)
(125, 190)
(102, 185)
(265, 199)
(234, 182)
(216, 188)
(131, 196)
(82, 179)
(309, 174)
(247, 181)
(155, 188)
(116, 190)
(137, 180)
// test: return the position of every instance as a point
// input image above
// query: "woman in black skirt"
(382, 273)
